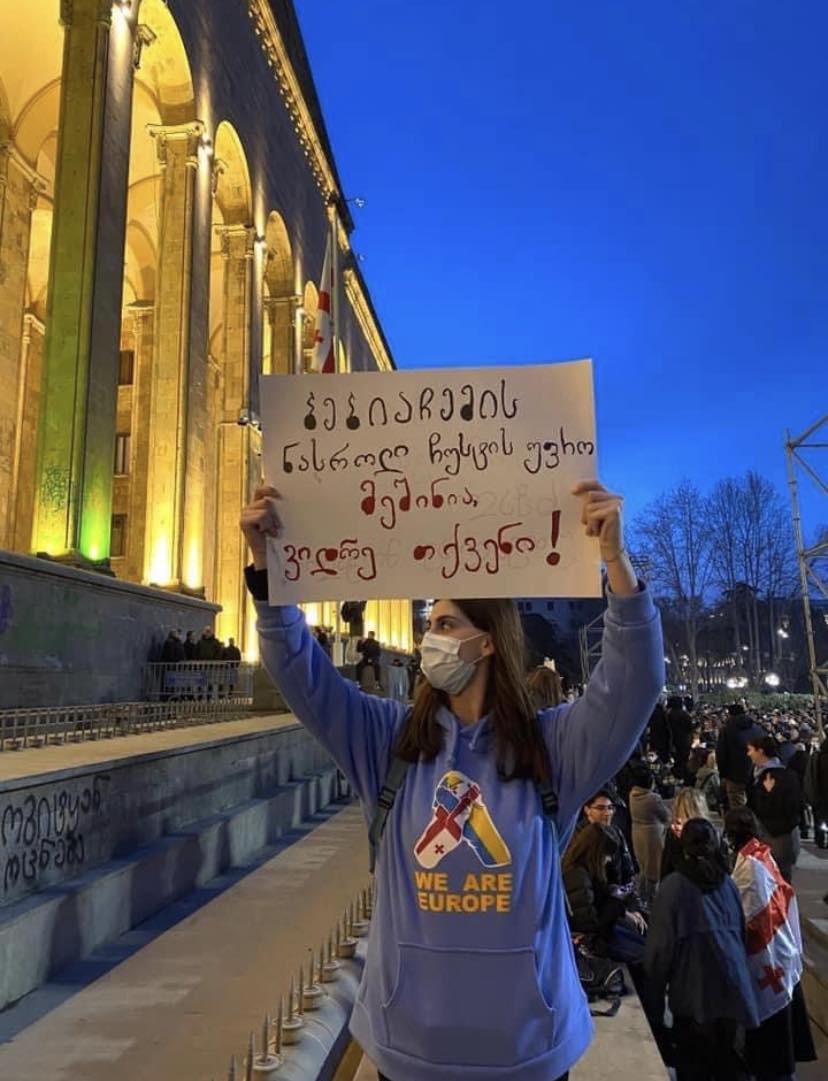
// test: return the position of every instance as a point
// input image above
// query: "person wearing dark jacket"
(190, 647)
(603, 809)
(370, 651)
(602, 911)
(231, 652)
(658, 733)
(786, 748)
(696, 953)
(798, 762)
(209, 648)
(821, 804)
(731, 754)
(681, 726)
(172, 652)
(774, 798)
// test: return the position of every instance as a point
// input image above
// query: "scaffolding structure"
(590, 640)
(810, 575)
(591, 635)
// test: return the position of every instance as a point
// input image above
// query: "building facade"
(167, 189)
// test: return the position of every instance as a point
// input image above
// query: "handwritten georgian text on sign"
(431, 483)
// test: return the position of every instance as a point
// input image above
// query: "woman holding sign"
(470, 970)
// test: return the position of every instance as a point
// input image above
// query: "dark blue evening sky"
(645, 183)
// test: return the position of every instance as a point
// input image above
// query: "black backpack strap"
(548, 796)
(550, 807)
(388, 794)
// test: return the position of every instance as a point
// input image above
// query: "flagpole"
(338, 650)
(335, 286)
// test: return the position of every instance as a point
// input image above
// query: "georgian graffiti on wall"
(43, 837)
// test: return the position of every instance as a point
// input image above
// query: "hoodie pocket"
(469, 1007)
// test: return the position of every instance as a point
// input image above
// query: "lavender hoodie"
(470, 972)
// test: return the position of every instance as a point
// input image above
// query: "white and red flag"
(323, 343)
(460, 814)
(774, 941)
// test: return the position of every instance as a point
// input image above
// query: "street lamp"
(772, 679)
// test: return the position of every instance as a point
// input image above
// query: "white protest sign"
(431, 483)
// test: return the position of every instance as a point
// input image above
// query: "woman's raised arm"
(356, 729)
(593, 737)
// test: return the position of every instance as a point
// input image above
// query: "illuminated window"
(122, 441)
(117, 543)
(126, 367)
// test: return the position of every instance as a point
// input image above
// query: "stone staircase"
(43, 933)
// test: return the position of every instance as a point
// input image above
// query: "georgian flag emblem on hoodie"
(460, 817)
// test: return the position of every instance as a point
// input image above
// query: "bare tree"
(754, 563)
(726, 565)
(673, 533)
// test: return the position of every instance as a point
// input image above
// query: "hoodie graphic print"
(470, 971)
(460, 816)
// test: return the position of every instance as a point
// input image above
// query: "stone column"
(215, 396)
(78, 408)
(19, 189)
(280, 312)
(196, 476)
(178, 159)
(256, 357)
(123, 57)
(141, 316)
(28, 416)
(237, 245)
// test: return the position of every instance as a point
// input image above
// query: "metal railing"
(213, 681)
(39, 727)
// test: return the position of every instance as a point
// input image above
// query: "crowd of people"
(485, 765)
(179, 647)
(682, 868)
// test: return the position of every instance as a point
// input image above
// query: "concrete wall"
(71, 636)
(63, 824)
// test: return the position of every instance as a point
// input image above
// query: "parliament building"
(167, 189)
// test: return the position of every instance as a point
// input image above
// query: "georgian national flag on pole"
(323, 346)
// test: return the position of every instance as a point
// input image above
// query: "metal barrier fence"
(198, 680)
(21, 728)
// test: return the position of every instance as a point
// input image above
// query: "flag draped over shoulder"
(323, 344)
(774, 940)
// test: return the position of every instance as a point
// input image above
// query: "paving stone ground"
(184, 1003)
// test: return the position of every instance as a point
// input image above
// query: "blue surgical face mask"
(442, 664)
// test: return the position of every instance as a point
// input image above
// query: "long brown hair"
(521, 751)
(546, 688)
(589, 849)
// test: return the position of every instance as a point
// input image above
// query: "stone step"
(815, 974)
(815, 929)
(44, 932)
